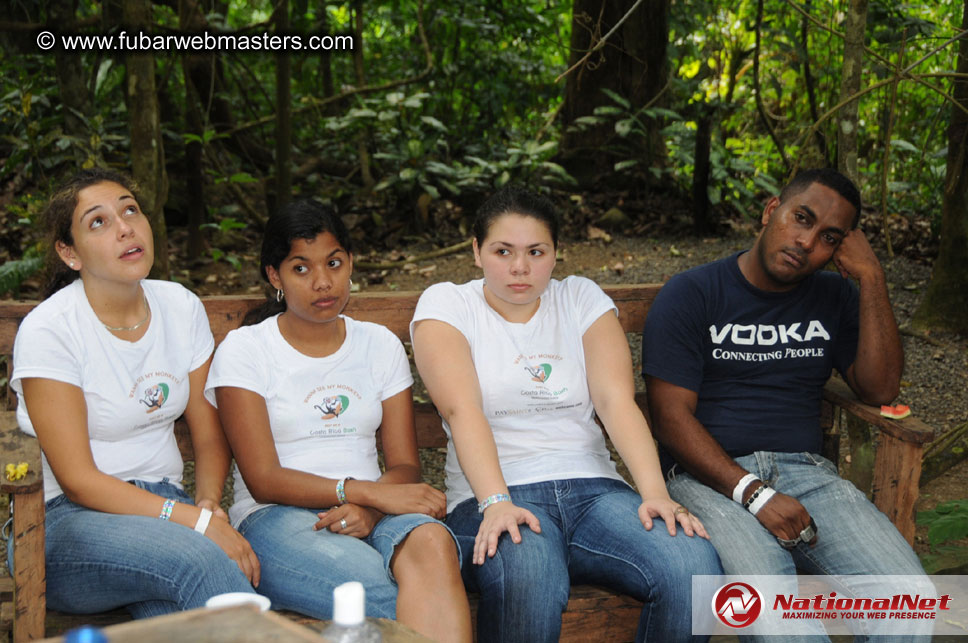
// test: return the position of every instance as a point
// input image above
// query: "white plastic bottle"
(349, 617)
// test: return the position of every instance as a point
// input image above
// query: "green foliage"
(231, 258)
(415, 150)
(484, 114)
(946, 522)
(14, 272)
(739, 174)
(224, 225)
(711, 47)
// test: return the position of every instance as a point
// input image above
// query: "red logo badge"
(737, 604)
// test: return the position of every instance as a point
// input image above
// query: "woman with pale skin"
(301, 390)
(518, 364)
(102, 368)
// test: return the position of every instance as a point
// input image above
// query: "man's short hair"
(830, 178)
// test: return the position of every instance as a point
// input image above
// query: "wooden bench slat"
(910, 429)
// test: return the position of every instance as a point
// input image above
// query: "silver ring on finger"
(342, 524)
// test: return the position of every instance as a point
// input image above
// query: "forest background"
(640, 118)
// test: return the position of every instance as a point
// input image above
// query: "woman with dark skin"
(302, 389)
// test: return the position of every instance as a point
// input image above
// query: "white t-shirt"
(134, 390)
(533, 381)
(323, 411)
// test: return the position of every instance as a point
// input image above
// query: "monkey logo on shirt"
(155, 397)
(332, 407)
(539, 373)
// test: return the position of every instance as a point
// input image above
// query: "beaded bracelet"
(764, 498)
(756, 494)
(492, 500)
(340, 491)
(741, 486)
(166, 509)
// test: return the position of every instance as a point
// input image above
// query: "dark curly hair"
(58, 218)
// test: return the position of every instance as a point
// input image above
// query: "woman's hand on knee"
(417, 498)
(349, 520)
(498, 518)
(671, 513)
(237, 548)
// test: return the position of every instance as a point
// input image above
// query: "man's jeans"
(590, 533)
(98, 561)
(853, 536)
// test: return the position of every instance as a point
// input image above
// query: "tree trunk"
(283, 113)
(194, 171)
(326, 66)
(147, 150)
(700, 177)
(808, 81)
(207, 78)
(362, 152)
(849, 85)
(74, 94)
(633, 63)
(946, 301)
(195, 207)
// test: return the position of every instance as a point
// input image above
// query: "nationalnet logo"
(811, 605)
(737, 604)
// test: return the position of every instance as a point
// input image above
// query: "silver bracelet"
(492, 500)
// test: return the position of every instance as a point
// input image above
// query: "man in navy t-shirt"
(735, 355)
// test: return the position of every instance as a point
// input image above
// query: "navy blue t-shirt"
(758, 360)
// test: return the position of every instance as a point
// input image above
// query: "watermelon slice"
(897, 412)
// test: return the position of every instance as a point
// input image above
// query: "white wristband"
(741, 486)
(203, 519)
(764, 497)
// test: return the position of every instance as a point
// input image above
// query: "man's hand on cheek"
(855, 257)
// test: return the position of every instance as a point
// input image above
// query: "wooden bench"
(591, 611)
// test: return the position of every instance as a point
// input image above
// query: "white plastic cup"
(233, 599)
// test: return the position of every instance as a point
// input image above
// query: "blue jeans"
(853, 536)
(590, 533)
(301, 567)
(98, 561)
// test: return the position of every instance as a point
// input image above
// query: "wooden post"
(860, 442)
(897, 471)
(30, 579)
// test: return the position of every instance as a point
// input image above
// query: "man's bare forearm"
(683, 436)
(880, 358)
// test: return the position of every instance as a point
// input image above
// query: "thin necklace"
(121, 329)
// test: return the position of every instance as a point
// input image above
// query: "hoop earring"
(280, 295)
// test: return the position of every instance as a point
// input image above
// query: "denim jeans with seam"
(98, 561)
(591, 534)
(301, 567)
(854, 537)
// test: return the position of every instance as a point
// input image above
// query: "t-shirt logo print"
(155, 396)
(539, 373)
(334, 406)
(737, 604)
